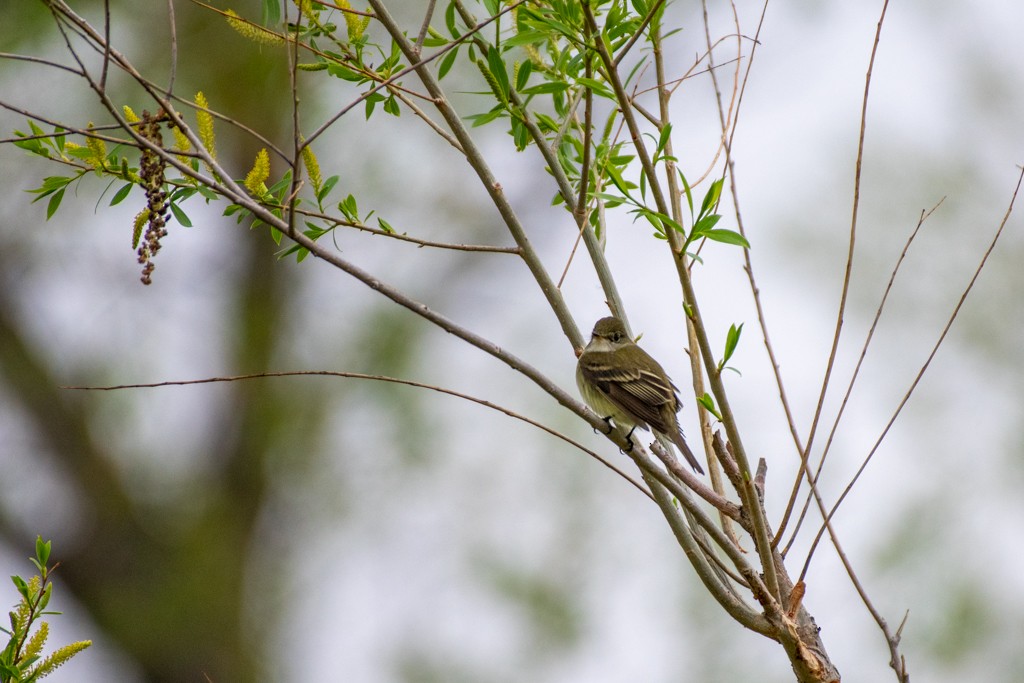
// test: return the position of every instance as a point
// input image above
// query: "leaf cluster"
(22, 660)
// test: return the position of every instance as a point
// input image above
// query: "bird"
(621, 381)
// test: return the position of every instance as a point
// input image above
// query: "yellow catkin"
(34, 646)
(181, 144)
(312, 167)
(205, 121)
(59, 658)
(255, 180)
(141, 218)
(129, 114)
(255, 33)
(356, 23)
(99, 150)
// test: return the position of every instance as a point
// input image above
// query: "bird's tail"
(680, 442)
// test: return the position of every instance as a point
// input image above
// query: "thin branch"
(425, 26)
(378, 378)
(486, 176)
(173, 26)
(924, 367)
(565, 190)
(849, 388)
(416, 64)
(485, 248)
(638, 31)
(293, 83)
(39, 60)
(746, 491)
(422, 115)
(345, 10)
(804, 470)
(729, 133)
(106, 42)
(897, 661)
(735, 607)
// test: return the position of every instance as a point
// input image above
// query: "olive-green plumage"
(620, 380)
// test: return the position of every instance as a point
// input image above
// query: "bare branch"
(804, 470)
(849, 388)
(377, 378)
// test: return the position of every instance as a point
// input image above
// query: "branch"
(491, 184)
(565, 191)
(377, 378)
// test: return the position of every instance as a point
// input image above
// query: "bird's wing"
(640, 391)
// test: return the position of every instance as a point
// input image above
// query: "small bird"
(620, 380)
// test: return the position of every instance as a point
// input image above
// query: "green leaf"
(343, 72)
(530, 37)
(391, 106)
(727, 237)
(520, 134)
(42, 550)
(597, 87)
(349, 208)
(449, 20)
(22, 586)
(617, 180)
(709, 405)
(524, 75)
(712, 197)
(83, 153)
(34, 145)
(446, 63)
(496, 65)
(180, 216)
(731, 341)
(54, 204)
(687, 191)
(704, 225)
(206, 193)
(44, 600)
(547, 88)
(435, 39)
(663, 139)
(371, 102)
(271, 12)
(121, 194)
(326, 188)
(481, 119)
(50, 184)
(385, 226)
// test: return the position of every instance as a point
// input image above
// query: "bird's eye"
(616, 337)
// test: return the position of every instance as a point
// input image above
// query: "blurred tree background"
(325, 529)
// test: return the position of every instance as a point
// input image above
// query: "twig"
(924, 367)
(747, 493)
(565, 189)
(486, 248)
(172, 25)
(849, 388)
(735, 607)
(377, 378)
(638, 31)
(425, 26)
(416, 64)
(804, 470)
(494, 189)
